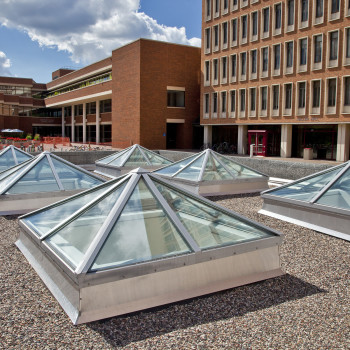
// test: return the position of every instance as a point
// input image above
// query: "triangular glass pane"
(192, 171)
(7, 160)
(39, 179)
(108, 159)
(142, 232)
(72, 241)
(174, 168)
(72, 178)
(155, 159)
(238, 169)
(214, 171)
(305, 190)
(13, 169)
(44, 221)
(208, 226)
(136, 159)
(21, 157)
(120, 159)
(338, 195)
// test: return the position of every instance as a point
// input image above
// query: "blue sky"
(40, 36)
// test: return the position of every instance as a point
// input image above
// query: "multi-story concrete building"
(277, 74)
(147, 92)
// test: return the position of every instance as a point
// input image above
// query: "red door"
(258, 138)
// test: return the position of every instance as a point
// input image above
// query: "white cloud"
(5, 64)
(88, 29)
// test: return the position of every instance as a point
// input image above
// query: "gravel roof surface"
(307, 308)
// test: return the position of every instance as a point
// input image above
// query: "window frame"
(256, 36)
(253, 76)
(315, 110)
(333, 16)
(216, 47)
(300, 110)
(214, 114)
(243, 40)
(345, 109)
(223, 44)
(332, 63)
(222, 104)
(206, 114)
(223, 79)
(303, 24)
(303, 67)
(207, 74)
(329, 110)
(287, 111)
(242, 113)
(234, 42)
(215, 81)
(233, 79)
(346, 60)
(263, 112)
(291, 27)
(208, 17)
(275, 112)
(232, 114)
(243, 77)
(252, 113)
(276, 72)
(316, 65)
(317, 20)
(288, 70)
(263, 34)
(277, 31)
(264, 74)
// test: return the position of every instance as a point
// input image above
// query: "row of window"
(237, 29)
(16, 90)
(214, 7)
(253, 101)
(26, 111)
(287, 55)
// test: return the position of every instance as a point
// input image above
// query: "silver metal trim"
(104, 231)
(144, 155)
(14, 155)
(187, 165)
(131, 150)
(53, 169)
(225, 167)
(186, 235)
(204, 164)
(117, 155)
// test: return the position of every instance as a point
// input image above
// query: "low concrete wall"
(272, 167)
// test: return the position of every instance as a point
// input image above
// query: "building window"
(335, 5)
(288, 98)
(215, 68)
(207, 72)
(244, 28)
(332, 91)
(278, 16)
(233, 101)
(290, 12)
(207, 40)
(347, 91)
(265, 59)
(224, 35)
(347, 42)
(319, 9)
(233, 66)
(223, 102)
(263, 92)
(316, 93)
(224, 69)
(254, 24)
(266, 20)
(105, 106)
(277, 56)
(206, 104)
(242, 100)
(318, 48)
(225, 6)
(217, 7)
(301, 94)
(243, 63)
(234, 31)
(303, 51)
(304, 10)
(234, 5)
(215, 102)
(208, 9)
(252, 99)
(333, 47)
(176, 98)
(216, 38)
(289, 47)
(275, 97)
(253, 54)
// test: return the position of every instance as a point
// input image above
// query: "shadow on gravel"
(123, 330)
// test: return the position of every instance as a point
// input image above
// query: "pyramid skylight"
(320, 201)
(11, 156)
(210, 173)
(40, 181)
(130, 158)
(141, 241)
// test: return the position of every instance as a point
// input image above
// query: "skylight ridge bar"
(107, 226)
(81, 210)
(224, 165)
(14, 155)
(118, 155)
(330, 184)
(187, 165)
(200, 177)
(144, 156)
(131, 150)
(57, 178)
(170, 212)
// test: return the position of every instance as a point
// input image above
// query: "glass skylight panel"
(72, 241)
(7, 160)
(143, 232)
(44, 221)
(238, 169)
(305, 190)
(110, 158)
(39, 179)
(215, 171)
(172, 169)
(72, 178)
(209, 227)
(155, 159)
(121, 158)
(13, 169)
(338, 195)
(192, 171)
(136, 159)
(21, 157)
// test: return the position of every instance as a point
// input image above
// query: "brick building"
(147, 92)
(276, 74)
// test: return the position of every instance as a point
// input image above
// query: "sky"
(38, 37)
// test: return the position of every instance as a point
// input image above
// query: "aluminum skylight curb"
(193, 247)
(320, 201)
